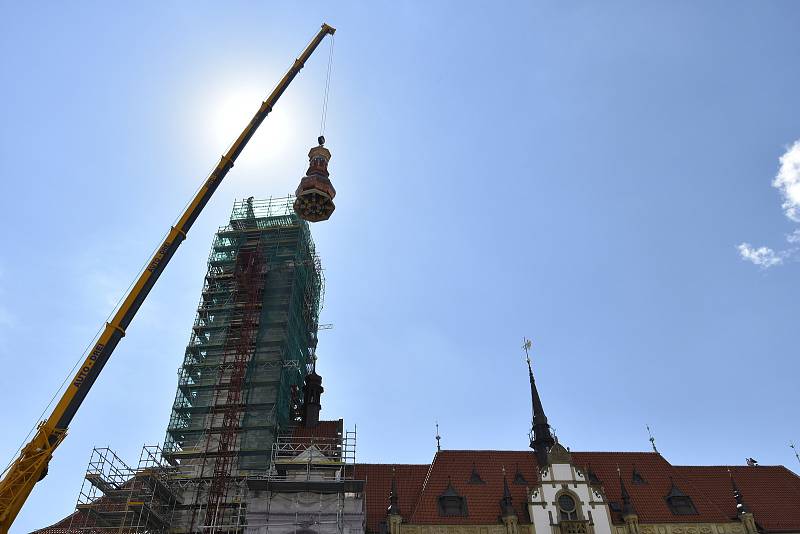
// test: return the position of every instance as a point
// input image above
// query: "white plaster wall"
(285, 513)
(560, 477)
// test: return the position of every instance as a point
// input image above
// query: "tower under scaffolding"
(251, 346)
(245, 451)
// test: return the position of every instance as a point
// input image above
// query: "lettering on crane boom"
(88, 365)
(212, 180)
(159, 256)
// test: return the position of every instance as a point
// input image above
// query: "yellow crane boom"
(31, 464)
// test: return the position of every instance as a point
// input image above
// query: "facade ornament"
(507, 513)
(591, 476)
(393, 517)
(629, 514)
(559, 454)
(742, 511)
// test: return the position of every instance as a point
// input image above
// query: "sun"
(235, 108)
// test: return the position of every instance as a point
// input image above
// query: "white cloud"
(764, 257)
(787, 181)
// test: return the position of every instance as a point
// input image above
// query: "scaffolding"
(334, 450)
(115, 497)
(252, 342)
(311, 487)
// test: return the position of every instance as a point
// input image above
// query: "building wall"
(270, 512)
(562, 478)
(495, 528)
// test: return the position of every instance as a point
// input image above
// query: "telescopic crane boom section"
(31, 464)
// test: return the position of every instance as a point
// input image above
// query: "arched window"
(567, 508)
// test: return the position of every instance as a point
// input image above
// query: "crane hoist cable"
(324, 118)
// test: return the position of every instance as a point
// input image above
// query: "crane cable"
(323, 120)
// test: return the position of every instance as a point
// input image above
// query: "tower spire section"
(541, 436)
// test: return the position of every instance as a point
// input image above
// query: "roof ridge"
(725, 466)
(486, 450)
(389, 463)
(424, 485)
(651, 453)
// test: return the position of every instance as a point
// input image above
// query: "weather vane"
(652, 439)
(526, 346)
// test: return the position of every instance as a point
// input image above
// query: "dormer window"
(637, 478)
(519, 478)
(679, 503)
(475, 477)
(682, 505)
(451, 504)
(567, 509)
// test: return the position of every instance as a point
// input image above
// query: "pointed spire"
(506, 503)
(627, 507)
(438, 438)
(741, 507)
(394, 507)
(541, 437)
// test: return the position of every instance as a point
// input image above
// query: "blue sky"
(598, 176)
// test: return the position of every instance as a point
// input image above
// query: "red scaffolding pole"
(240, 344)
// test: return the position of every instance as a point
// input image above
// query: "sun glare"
(235, 109)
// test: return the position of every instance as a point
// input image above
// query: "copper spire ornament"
(314, 195)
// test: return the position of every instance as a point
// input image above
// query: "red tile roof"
(649, 498)
(62, 527)
(324, 429)
(772, 493)
(378, 483)
(483, 500)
